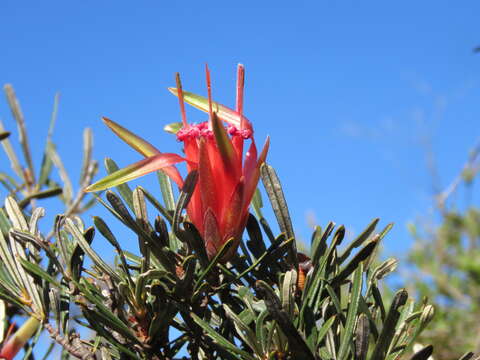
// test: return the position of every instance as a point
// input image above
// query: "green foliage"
(446, 256)
(169, 298)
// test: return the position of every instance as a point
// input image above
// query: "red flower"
(227, 179)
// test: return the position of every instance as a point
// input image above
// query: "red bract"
(227, 178)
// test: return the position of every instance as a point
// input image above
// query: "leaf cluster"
(446, 259)
(168, 299)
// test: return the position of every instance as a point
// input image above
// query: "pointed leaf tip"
(263, 154)
(135, 141)
(140, 168)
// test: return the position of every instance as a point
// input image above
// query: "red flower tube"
(227, 179)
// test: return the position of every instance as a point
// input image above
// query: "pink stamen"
(197, 131)
(234, 131)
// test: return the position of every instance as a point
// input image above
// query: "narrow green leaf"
(261, 330)
(244, 331)
(36, 270)
(143, 280)
(73, 229)
(384, 269)
(257, 203)
(297, 344)
(22, 131)
(123, 189)
(363, 254)
(377, 297)
(279, 205)
(27, 281)
(37, 214)
(362, 334)
(11, 298)
(364, 309)
(62, 172)
(169, 201)
(346, 342)
(164, 211)
(255, 244)
(107, 234)
(105, 314)
(364, 235)
(140, 210)
(319, 245)
(12, 156)
(133, 171)
(335, 301)
(135, 141)
(288, 292)
(173, 128)
(378, 239)
(325, 328)
(184, 198)
(167, 191)
(119, 209)
(15, 214)
(219, 339)
(388, 330)
(423, 354)
(223, 250)
(87, 154)
(5, 224)
(192, 237)
(47, 165)
(40, 195)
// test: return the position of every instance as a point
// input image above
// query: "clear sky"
(353, 94)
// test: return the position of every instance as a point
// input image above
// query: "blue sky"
(353, 95)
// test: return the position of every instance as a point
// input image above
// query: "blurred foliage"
(168, 299)
(446, 256)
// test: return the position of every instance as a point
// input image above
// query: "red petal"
(232, 213)
(194, 209)
(237, 142)
(211, 235)
(207, 183)
(250, 163)
(252, 181)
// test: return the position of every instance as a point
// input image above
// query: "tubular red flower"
(227, 179)
(226, 184)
